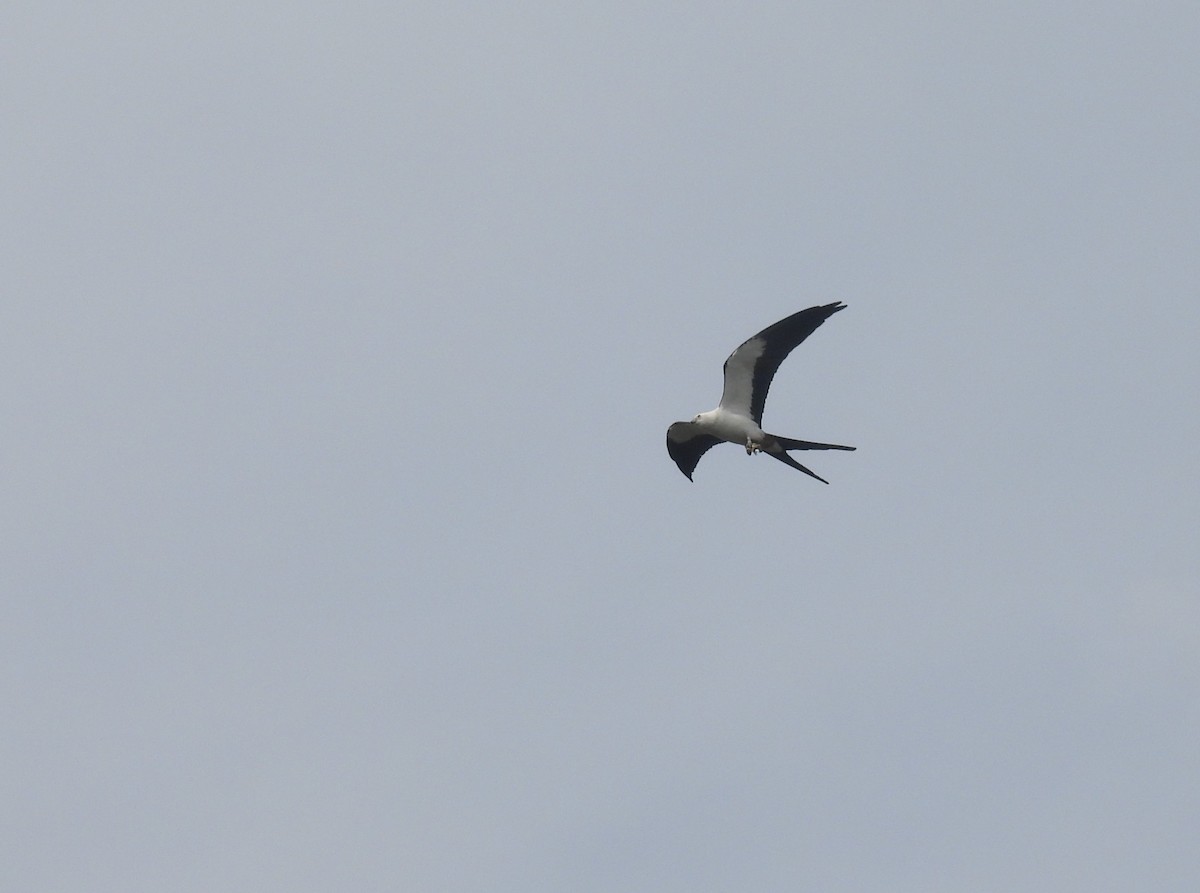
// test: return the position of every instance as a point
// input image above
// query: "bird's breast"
(730, 426)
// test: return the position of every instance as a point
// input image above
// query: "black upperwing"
(751, 367)
(686, 447)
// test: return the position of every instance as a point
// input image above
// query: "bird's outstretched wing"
(686, 445)
(750, 368)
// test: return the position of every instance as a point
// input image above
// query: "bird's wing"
(750, 368)
(686, 445)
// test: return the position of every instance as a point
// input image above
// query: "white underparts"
(732, 427)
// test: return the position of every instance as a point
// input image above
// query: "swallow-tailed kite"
(738, 417)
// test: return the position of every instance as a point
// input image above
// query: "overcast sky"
(341, 547)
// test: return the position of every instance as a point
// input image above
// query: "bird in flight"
(738, 417)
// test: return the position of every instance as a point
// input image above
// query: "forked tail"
(788, 460)
(788, 444)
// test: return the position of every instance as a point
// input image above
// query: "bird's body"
(738, 417)
(729, 426)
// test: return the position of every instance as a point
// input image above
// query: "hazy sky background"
(341, 547)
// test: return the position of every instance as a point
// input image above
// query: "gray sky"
(341, 546)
